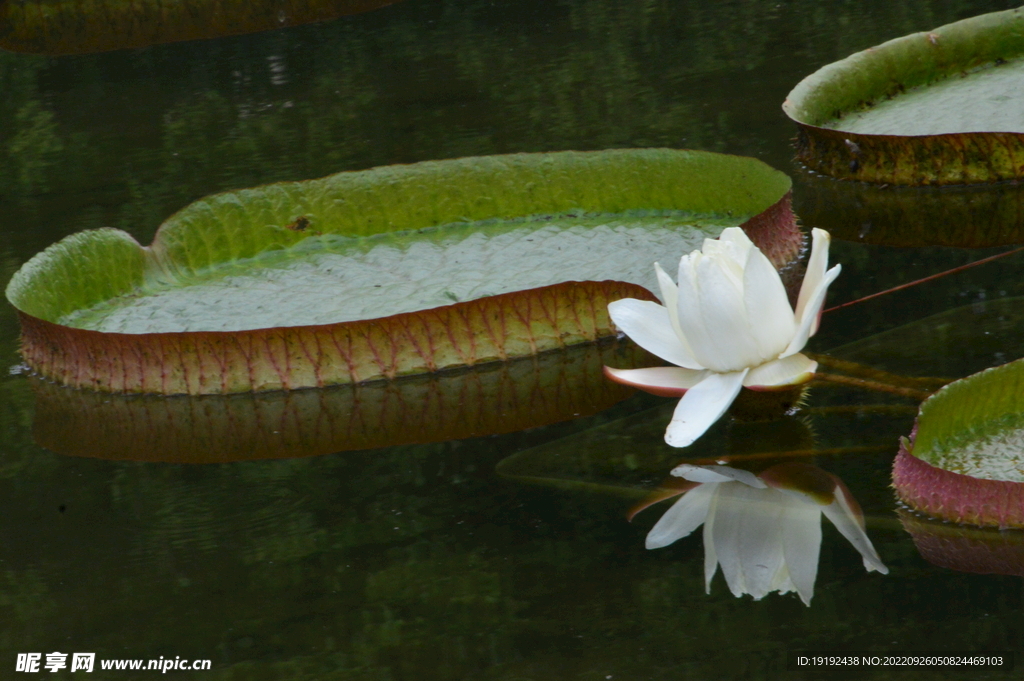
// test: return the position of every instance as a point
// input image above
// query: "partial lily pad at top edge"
(964, 463)
(525, 227)
(58, 27)
(499, 398)
(937, 107)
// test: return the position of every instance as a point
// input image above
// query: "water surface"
(422, 562)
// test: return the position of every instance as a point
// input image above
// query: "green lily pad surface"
(938, 107)
(965, 462)
(327, 279)
(990, 98)
(994, 451)
(387, 272)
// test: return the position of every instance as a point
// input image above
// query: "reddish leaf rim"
(284, 358)
(956, 497)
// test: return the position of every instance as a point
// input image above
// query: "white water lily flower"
(764, 531)
(727, 324)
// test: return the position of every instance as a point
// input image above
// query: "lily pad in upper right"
(939, 107)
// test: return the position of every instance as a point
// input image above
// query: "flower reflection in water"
(763, 530)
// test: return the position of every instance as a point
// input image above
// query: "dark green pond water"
(496, 557)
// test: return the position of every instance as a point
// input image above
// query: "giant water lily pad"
(965, 461)
(377, 274)
(938, 107)
(81, 26)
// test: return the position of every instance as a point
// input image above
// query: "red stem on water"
(929, 278)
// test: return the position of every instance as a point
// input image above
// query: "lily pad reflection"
(966, 549)
(974, 216)
(499, 398)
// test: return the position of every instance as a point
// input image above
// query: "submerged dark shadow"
(961, 216)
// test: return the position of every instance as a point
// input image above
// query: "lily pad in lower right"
(964, 462)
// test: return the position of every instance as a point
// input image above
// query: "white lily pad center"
(993, 452)
(329, 279)
(988, 99)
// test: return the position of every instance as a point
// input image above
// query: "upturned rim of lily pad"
(955, 411)
(885, 71)
(90, 267)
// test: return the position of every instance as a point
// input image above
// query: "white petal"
(801, 546)
(670, 297)
(771, 318)
(710, 555)
(664, 381)
(701, 406)
(746, 538)
(734, 244)
(807, 320)
(737, 236)
(717, 474)
(760, 537)
(689, 315)
(816, 266)
(851, 526)
(685, 516)
(782, 582)
(723, 313)
(648, 325)
(669, 290)
(719, 533)
(792, 370)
